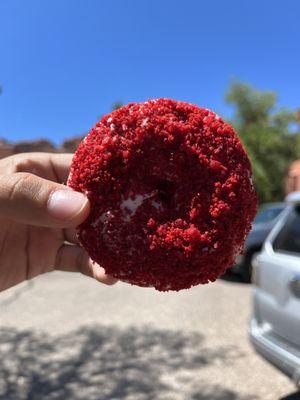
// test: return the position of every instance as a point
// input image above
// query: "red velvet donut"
(171, 194)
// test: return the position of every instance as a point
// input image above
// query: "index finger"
(51, 166)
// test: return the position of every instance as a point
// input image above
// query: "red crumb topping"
(171, 194)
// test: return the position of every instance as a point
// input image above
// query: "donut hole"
(182, 116)
(165, 191)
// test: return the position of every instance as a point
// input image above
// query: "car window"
(288, 239)
(268, 214)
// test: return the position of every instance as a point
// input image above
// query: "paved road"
(65, 337)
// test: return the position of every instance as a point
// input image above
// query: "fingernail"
(66, 204)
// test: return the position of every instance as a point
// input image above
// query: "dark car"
(266, 218)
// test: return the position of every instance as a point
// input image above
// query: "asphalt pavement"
(64, 336)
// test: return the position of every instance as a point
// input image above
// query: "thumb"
(32, 200)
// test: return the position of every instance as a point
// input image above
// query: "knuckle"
(25, 163)
(16, 183)
(21, 162)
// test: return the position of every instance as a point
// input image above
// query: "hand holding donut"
(38, 216)
(162, 196)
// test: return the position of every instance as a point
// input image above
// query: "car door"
(279, 279)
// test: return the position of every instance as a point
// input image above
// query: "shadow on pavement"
(293, 396)
(223, 394)
(107, 363)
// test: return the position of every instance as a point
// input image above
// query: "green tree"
(116, 105)
(266, 134)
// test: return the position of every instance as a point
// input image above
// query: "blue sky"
(64, 62)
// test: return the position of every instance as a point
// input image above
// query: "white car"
(275, 325)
